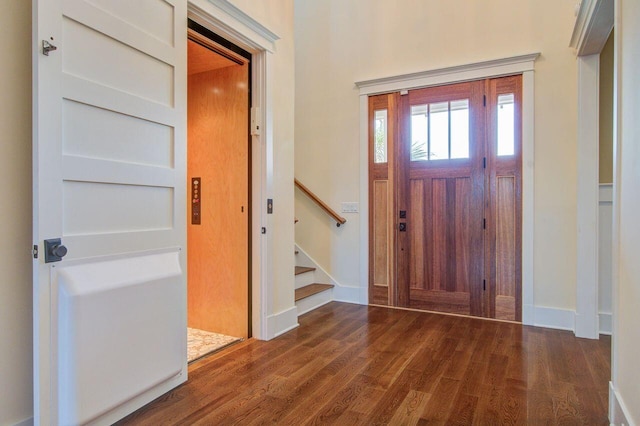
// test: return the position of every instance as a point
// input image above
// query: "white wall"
(605, 219)
(15, 212)
(626, 374)
(277, 16)
(339, 43)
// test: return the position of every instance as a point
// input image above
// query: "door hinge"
(484, 223)
(35, 251)
(484, 285)
(484, 100)
(484, 162)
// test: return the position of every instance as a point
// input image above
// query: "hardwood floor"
(350, 364)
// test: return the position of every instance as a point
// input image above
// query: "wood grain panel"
(504, 247)
(438, 238)
(505, 307)
(381, 232)
(218, 153)
(505, 236)
(382, 204)
(462, 234)
(454, 302)
(379, 295)
(202, 59)
(416, 222)
(450, 277)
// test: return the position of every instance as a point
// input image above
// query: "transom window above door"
(440, 131)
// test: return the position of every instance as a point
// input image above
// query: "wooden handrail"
(339, 219)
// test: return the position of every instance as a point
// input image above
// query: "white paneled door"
(109, 205)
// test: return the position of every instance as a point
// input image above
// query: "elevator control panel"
(196, 195)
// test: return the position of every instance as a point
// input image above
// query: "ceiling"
(201, 59)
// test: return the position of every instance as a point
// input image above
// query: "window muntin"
(440, 131)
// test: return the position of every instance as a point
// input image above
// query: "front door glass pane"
(419, 132)
(460, 129)
(506, 117)
(380, 136)
(439, 131)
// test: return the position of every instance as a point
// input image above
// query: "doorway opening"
(445, 182)
(219, 193)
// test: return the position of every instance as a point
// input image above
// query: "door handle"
(402, 227)
(54, 251)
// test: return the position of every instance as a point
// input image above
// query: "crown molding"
(594, 22)
(468, 72)
(233, 23)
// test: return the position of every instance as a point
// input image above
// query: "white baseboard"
(618, 413)
(347, 294)
(363, 294)
(282, 322)
(25, 422)
(561, 319)
(605, 321)
(528, 314)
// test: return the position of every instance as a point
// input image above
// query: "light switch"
(350, 207)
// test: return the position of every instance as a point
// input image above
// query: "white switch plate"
(351, 207)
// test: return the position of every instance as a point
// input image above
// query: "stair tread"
(303, 269)
(311, 289)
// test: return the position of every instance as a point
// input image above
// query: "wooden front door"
(440, 199)
(451, 225)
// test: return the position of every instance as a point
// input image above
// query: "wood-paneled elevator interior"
(218, 164)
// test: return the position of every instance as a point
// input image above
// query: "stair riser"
(304, 279)
(313, 302)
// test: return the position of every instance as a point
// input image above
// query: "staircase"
(309, 294)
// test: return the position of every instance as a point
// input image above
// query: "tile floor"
(201, 343)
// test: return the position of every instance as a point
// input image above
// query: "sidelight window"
(506, 117)
(380, 136)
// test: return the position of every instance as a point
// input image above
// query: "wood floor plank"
(360, 365)
(440, 405)
(464, 409)
(488, 410)
(409, 412)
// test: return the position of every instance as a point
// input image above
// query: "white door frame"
(229, 22)
(594, 22)
(523, 64)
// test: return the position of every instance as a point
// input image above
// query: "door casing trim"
(235, 26)
(522, 64)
